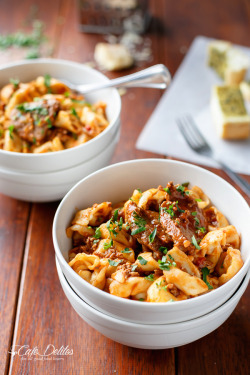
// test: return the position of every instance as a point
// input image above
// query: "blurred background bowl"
(116, 183)
(151, 336)
(17, 170)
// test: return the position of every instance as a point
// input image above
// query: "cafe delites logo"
(50, 352)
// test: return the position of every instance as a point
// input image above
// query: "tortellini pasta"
(161, 245)
(44, 115)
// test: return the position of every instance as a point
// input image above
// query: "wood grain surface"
(34, 310)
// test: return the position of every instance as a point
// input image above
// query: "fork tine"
(197, 141)
(186, 135)
(196, 130)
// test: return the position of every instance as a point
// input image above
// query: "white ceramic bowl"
(149, 336)
(51, 186)
(117, 182)
(75, 73)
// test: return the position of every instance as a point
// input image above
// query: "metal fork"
(197, 142)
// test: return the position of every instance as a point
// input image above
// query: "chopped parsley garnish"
(126, 251)
(15, 82)
(73, 112)
(67, 94)
(80, 102)
(75, 136)
(194, 242)
(198, 200)
(47, 82)
(107, 245)
(142, 260)
(185, 184)
(181, 189)
(115, 216)
(11, 130)
(201, 229)
(167, 190)
(170, 210)
(197, 221)
(150, 277)
(133, 268)
(163, 249)
(140, 222)
(113, 262)
(205, 271)
(97, 233)
(141, 299)
(151, 237)
(194, 213)
(165, 264)
(48, 120)
(139, 190)
(34, 140)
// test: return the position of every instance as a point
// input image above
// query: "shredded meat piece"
(173, 290)
(146, 222)
(110, 253)
(126, 269)
(181, 218)
(32, 120)
(202, 262)
(211, 217)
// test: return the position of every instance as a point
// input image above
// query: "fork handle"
(244, 185)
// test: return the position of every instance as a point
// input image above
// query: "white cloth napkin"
(190, 93)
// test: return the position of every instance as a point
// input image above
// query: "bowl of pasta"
(151, 336)
(47, 127)
(153, 241)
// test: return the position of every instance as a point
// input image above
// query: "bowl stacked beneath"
(151, 336)
(48, 176)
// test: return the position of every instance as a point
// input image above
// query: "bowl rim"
(127, 302)
(187, 324)
(52, 61)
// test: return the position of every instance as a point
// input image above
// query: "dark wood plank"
(13, 226)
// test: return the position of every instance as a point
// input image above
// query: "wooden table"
(34, 310)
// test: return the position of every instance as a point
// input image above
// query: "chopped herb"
(187, 192)
(48, 120)
(194, 242)
(126, 251)
(107, 245)
(141, 299)
(165, 264)
(163, 249)
(73, 112)
(1, 132)
(127, 226)
(113, 262)
(80, 102)
(151, 237)
(185, 184)
(89, 227)
(201, 229)
(170, 210)
(150, 277)
(194, 213)
(197, 221)
(177, 221)
(198, 200)
(181, 189)
(11, 130)
(205, 271)
(138, 230)
(131, 199)
(75, 136)
(167, 190)
(95, 241)
(115, 216)
(142, 260)
(47, 82)
(97, 233)
(171, 300)
(133, 268)
(139, 220)
(139, 190)
(67, 94)
(15, 82)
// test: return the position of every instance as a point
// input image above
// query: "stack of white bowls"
(141, 324)
(48, 176)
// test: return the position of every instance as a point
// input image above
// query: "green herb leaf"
(114, 263)
(198, 200)
(194, 213)
(48, 120)
(150, 277)
(151, 237)
(115, 216)
(163, 249)
(181, 189)
(138, 230)
(178, 208)
(142, 260)
(139, 220)
(107, 245)
(205, 271)
(201, 229)
(170, 211)
(11, 130)
(98, 233)
(126, 251)
(47, 82)
(167, 190)
(73, 112)
(194, 242)
(139, 190)
(185, 184)
(15, 82)
(133, 268)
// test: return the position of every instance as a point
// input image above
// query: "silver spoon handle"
(156, 76)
